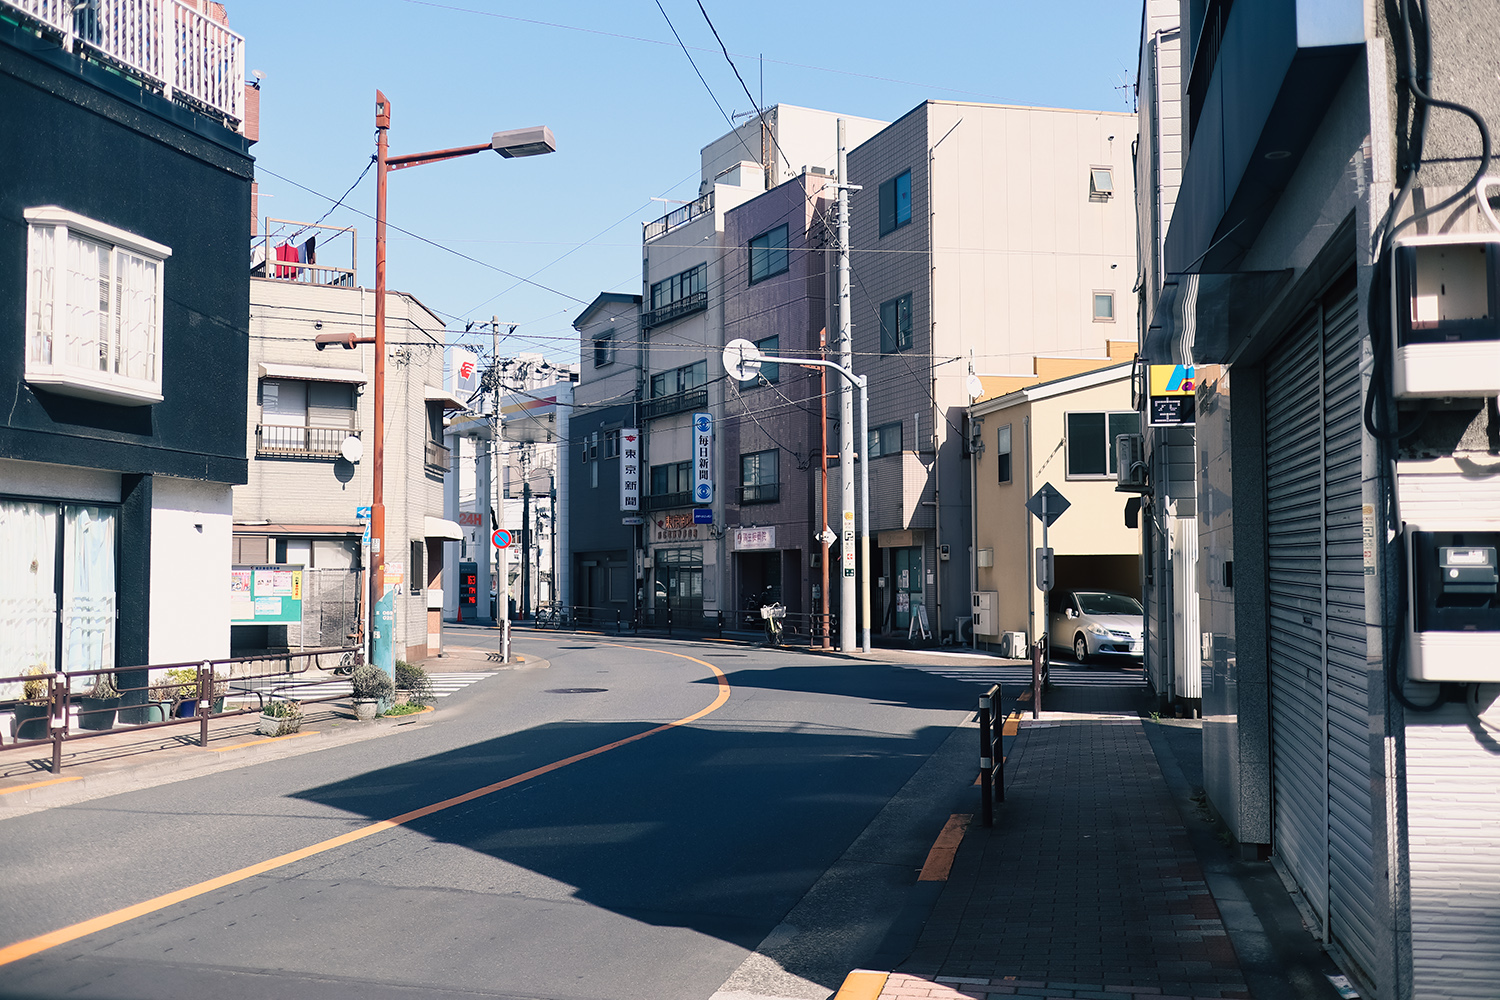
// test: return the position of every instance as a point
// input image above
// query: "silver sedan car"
(1097, 623)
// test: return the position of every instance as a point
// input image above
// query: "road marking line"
(940, 858)
(256, 743)
(40, 784)
(861, 984)
(32, 946)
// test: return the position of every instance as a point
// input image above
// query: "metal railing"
(678, 402)
(667, 501)
(687, 305)
(991, 754)
(796, 628)
(677, 217)
(276, 441)
(199, 692)
(191, 57)
(435, 455)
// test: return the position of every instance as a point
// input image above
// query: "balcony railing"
(189, 56)
(678, 402)
(667, 501)
(763, 493)
(437, 457)
(662, 315)
(677, 217)
(275, 441)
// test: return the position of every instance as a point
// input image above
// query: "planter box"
(97, 713)
(31, 722)
(275, 725)
(365, 711)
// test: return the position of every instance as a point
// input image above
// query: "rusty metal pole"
(380, 641)
(57, 718)
(205, 700)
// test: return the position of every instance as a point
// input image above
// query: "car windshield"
(1109, 604)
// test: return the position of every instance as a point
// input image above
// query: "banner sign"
(751, 539)
(1173, 389)
(463, 372)
(262, 595)
(630, 470)
(703, 452)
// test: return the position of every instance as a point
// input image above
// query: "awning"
(1203, 317)
(312, 373)
(449, 401)
(437, 527)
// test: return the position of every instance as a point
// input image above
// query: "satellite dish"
(742, 360)
(976, 387)
(353, 449)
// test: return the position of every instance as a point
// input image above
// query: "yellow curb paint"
(32, 946)
(862, 984)
(944, 849)
(256, 743)
(39, 784)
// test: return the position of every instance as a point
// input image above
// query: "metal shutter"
(1294, 527)
(1324, 760)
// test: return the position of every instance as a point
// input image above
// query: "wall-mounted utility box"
(984, 611)
(1445, 305)
(1453, 616)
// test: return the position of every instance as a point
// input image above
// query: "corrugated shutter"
(1356, 910)
(1325, 762)
(1294, 515)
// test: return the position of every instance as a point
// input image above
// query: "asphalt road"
(637, 820)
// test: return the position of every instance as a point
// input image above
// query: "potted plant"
(97, 707)
(371, 686)
(412, 684)
(162, 697)
(185, 681)
(280, 717)
(31, 717)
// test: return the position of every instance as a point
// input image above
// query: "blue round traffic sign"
(501, 538)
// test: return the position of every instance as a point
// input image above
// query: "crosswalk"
(983, 671)
(443, 684)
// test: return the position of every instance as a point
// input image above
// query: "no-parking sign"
(501, 538)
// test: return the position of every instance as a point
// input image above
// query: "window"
(759, 482)
(1002, 452)
(895, 325)
(1104, 307)
(310, 419)
(680, 295)
(770, 371)
(1101, 184)
(93, 308)
(895, 203)
(436, 454)
(768, 255)
(612, 444)
(604, 349)
(417, 567)
(684, 379)
(1091, 441)
(884, 440)
(674, 477)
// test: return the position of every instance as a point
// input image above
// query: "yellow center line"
(39, 784)
(32, 946)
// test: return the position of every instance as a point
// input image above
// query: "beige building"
(1058, 430)
(311, 414)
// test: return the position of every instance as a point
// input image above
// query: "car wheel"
(1081, 649)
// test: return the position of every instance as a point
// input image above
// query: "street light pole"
(531, 141)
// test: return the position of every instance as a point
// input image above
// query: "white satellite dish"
(742, 360)
(976, 387)
(353, 449)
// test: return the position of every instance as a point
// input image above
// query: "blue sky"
(627, 108)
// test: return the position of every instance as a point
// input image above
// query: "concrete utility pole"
(847, 625)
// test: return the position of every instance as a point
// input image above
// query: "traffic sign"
(1047, 504)
(703, 515)
(501, 538)
(361, 514)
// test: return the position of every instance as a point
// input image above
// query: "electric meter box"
(1453, 614)
(1445, 316)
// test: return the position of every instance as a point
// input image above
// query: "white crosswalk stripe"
(443, 684)
(1064, 673)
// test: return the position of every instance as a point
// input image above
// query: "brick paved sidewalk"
(1086, 887)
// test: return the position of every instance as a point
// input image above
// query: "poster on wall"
(265, 595)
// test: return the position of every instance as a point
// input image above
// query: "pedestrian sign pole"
(501, 540)
(1047, 505)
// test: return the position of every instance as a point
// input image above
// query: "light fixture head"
(533, 141)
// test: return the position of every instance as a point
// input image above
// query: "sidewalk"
(1090, 884)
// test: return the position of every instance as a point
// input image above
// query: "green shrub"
(413, 679)
(283, 709)
(370, 683)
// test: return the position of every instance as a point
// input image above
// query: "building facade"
(1325, 270)
(123, 318)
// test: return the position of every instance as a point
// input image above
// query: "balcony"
(678, 402)
(436, 457)
(668, 501)
(662, 315)
(677, 217)
(761, 493)
(274, 441)
(185, 55)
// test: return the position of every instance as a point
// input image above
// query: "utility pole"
(525, 538)
(846, 412)
(823, 535)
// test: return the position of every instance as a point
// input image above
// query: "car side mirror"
(1071, 613)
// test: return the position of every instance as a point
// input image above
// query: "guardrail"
(798, 628)
(50, 702)
(991, 754)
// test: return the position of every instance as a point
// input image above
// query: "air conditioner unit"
(1130, 463)
(1013, 645)
(1445, 315)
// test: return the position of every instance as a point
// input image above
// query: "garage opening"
(1118, 573)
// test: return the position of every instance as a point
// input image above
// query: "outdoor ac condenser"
(1130, 463)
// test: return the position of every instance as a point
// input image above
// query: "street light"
(531, 141)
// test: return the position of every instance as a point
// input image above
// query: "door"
(906, 565)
